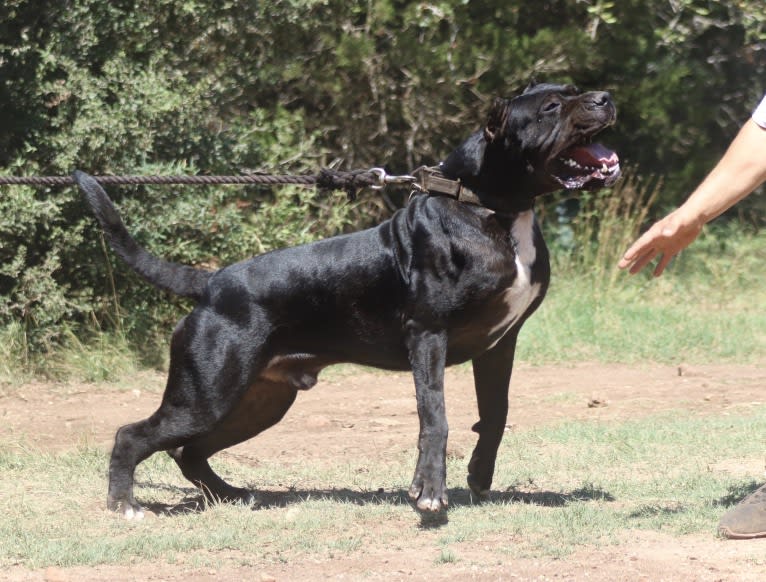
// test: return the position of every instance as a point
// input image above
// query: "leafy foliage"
(133, 86)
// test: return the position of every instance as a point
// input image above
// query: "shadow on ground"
(737, 493)
(194, 502)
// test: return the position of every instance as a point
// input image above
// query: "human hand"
(666, 238)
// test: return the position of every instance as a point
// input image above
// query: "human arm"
(740, 171)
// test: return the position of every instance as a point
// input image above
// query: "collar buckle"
(432, 181)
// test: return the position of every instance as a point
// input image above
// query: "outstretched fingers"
(666, 238)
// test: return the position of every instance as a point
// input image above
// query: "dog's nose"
(598, 99)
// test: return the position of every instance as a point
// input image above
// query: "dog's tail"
(177, 279)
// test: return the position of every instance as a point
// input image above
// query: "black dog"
(441, 282)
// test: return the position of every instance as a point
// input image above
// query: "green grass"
(101, 357)
(556, 489)
(14, 355)
(96, 357)
(707, 307)
(659, 321)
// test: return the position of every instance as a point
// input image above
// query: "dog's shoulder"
(432, 232)
(435, 220)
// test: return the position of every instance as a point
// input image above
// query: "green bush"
(222, 87)
(56, 273)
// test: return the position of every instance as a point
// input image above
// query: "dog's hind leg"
(492, 375)
(262, 406)
(209, 374)
(173, 424)
(135, 442)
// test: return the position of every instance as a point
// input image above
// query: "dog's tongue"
(593, 155)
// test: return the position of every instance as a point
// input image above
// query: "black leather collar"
(431, 181)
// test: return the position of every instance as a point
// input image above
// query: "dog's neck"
(433, 182)
(494, 180)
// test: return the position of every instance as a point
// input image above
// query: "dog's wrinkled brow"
(570, 90)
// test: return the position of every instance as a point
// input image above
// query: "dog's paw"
(428, 497)
(479, 490)
(480, 471)
(129, 509)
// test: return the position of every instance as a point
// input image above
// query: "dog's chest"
(516, 299)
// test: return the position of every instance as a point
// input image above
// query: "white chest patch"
(518, 297)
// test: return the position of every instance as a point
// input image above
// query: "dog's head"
(551, 128)
(538, 142)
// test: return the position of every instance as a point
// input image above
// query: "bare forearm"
(740, 171)
(737, 174)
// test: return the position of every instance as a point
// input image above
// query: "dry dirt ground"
(377, 410)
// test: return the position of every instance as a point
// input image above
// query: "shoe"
(747, 519)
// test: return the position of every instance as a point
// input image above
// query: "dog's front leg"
(428, 353)
(492, 375)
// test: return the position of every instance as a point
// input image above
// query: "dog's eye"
(551, 106)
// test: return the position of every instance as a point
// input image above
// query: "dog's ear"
(530, 85)
(497, 119)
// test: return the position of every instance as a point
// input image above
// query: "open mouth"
(586, 167)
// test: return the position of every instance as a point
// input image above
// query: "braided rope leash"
(326, 179)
